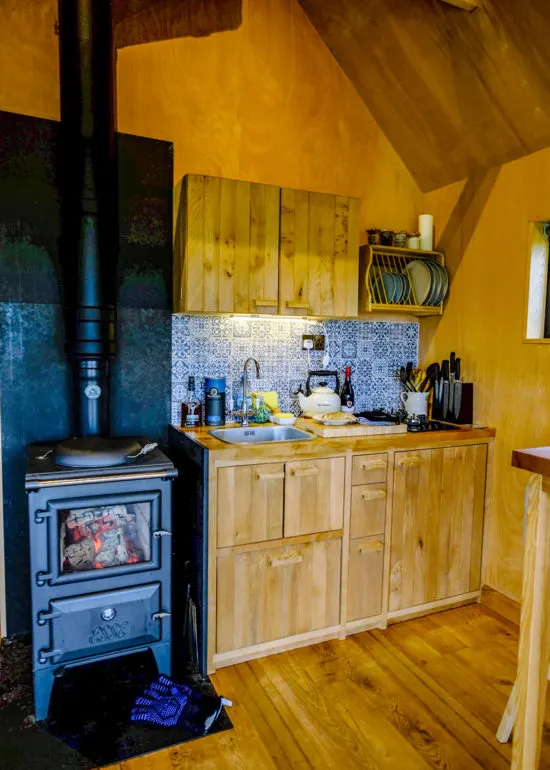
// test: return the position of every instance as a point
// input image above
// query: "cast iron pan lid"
(97, 452)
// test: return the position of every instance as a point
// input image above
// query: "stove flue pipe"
(89, 243)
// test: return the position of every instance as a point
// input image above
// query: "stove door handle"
(44, 616)
(161, 533)
(44, 577)
(41, 516)
(161, 615)
(43, 655)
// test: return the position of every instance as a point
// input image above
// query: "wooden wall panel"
(487, 246)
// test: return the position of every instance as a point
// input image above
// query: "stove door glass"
(104, 536)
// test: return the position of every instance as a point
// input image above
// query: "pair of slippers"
(165, 703)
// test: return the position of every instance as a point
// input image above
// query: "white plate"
(421, 280)
(348, 421)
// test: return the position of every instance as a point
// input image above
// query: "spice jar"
(386, 237)
(414, 241)
(373, 236)
(400, 239)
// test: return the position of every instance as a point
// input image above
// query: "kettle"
(320, 399)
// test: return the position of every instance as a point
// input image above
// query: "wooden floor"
(427, 693)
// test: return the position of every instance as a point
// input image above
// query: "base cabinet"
(437, 524)
(277, 592)
(366, 572)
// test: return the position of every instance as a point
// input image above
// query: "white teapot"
(320, 399)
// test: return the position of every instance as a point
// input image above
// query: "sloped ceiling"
(454, 92)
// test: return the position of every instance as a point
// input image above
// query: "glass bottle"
(191, 410)
(347, 396)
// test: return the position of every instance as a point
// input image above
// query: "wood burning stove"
(101, 551)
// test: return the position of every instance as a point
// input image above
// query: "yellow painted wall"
(266, 102)
(484, 323)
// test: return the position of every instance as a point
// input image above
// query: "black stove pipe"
(89, 244)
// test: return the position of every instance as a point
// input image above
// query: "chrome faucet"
(245, 389)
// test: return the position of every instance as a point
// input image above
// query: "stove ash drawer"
(100, 623)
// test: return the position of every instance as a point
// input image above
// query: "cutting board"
(347, 431)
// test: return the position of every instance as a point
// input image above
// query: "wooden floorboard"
(426, 693)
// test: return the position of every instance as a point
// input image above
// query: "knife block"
(466, 413)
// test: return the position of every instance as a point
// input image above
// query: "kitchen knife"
(457, 398)
(457, 369)
(445, 370)
(452, 364)
(445, 399)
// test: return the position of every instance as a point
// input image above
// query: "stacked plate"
(391, 288)
(429, 280)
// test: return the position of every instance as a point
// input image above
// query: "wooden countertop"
(324, 447)
(535, 460)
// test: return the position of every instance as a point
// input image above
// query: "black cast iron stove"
(100, 563)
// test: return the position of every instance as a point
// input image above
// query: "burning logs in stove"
(106, 536)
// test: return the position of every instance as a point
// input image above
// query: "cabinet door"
(437, 524)
(276, 593)
(368, 510)
(250, 504)
(314, 496)
(319, 261)
(366, 565)
(226, 251)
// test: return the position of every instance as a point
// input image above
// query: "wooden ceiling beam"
(466, 5)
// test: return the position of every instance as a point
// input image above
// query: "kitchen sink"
(261, 435)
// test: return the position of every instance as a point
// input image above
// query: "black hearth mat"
(88, 726)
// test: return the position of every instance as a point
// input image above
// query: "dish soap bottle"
(261, 413)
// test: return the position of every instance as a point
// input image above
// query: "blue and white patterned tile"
(180, 325)
(181, 347)
(349, 348)
(180, 370)
(242, 327)
(200, 326)
(222, 326)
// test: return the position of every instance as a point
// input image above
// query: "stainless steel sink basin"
(261, 435)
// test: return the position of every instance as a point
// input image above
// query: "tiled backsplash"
(218, 346)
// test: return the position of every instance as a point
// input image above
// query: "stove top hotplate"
(419, 424)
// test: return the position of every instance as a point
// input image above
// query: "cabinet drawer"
(366, 566)
(369, 469)
(250, 504)
(314, 496)
(278, 592)
(368, 510)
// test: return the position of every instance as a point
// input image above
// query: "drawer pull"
(266, 302)
(374, 545)
(373, 494)
(296, 559)
(297, 305)
(410, 462)
(307, 470)
(269, 476)
(373, 465)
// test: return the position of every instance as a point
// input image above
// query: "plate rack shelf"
(376, 260)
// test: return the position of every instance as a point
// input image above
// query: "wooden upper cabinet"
(227, 247)
(437, 524)
(319, 262)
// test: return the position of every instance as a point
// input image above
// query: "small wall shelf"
(376, 260)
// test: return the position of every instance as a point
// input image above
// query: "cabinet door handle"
(372, 546)
(409, 462)
(373, 494)
(289, 560)
(269, 476)
(266, 302)
(297, 305)
(307, 470)
(373, 465)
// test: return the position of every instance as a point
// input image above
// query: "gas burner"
(421, 424)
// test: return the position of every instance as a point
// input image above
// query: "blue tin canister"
(214, 401)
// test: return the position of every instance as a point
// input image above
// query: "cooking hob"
(420, 424)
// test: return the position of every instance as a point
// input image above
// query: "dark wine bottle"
(347, 396)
